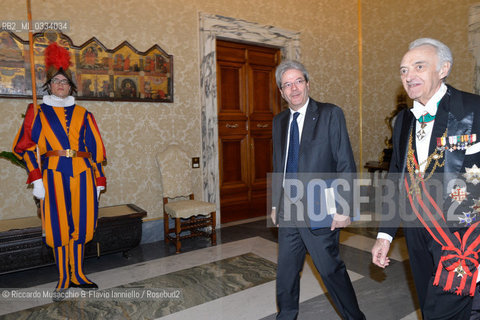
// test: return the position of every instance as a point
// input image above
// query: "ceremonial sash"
(457, 269)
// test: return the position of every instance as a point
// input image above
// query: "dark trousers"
(424, 254)
(475, 313)
(293, 243)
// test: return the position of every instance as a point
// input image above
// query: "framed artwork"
(120, 74)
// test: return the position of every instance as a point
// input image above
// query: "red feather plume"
(57, 56)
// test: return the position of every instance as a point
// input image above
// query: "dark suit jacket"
(459, 113)
(324, 145)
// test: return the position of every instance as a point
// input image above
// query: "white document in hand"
(330, 201)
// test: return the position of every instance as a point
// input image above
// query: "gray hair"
(443, 52)
(288, 65)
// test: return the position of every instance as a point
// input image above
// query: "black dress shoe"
(59, 294)
(84, 286)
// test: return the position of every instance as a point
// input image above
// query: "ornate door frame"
(211, 27)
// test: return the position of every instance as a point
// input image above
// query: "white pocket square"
(473, 149)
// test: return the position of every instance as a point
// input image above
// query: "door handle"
(228, 125)
(260, 125)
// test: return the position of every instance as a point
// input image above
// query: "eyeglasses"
(297, 83)
(60, 81)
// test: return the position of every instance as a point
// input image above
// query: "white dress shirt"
(300, 121)
(419, 110)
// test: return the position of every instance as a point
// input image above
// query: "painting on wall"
(120, 74)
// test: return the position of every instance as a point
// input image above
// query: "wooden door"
(247, 101)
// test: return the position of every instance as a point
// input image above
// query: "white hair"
(443, 52)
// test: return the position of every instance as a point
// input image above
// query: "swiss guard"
(69, 175)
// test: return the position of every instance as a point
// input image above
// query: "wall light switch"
(196, 162)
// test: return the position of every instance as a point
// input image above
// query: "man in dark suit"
(437, 138)
(309, 137)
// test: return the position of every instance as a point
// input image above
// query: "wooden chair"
(192, 218)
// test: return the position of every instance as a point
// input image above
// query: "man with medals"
(70, 175)
(437, 136)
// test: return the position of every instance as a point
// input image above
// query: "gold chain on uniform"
(414, 170)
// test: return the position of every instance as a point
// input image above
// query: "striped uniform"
(71, 204)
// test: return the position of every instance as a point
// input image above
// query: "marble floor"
(233, 280)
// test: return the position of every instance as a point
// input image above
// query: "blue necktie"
(293, 146)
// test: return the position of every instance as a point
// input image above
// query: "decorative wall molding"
(225, 28)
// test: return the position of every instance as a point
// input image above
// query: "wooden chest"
(119, 229)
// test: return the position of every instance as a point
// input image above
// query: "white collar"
(431, 107)
(302, 110)
(55, 101)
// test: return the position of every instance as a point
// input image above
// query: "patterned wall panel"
(135, 132)
(388, 28)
